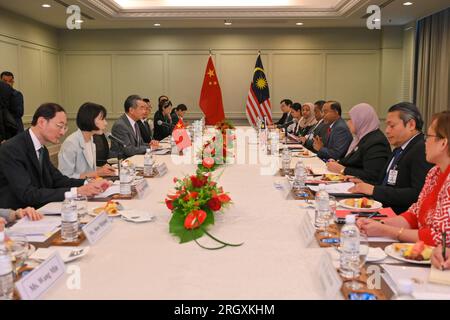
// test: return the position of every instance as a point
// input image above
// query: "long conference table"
(144, 261)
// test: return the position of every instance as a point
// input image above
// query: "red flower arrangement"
(193, 205)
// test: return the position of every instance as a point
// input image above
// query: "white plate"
(397, 255)
(376, 205)
(137, 216)
(93, 214)
(44, 253)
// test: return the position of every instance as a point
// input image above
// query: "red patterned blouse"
(431, 213)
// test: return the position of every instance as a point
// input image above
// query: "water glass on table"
(19, 249)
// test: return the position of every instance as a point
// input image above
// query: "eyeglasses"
(62, 126)
(431, 136)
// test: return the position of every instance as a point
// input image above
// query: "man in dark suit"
(404, 175)
(338, 137)
(27, 177)
(126, 128)
(320, 129)
(16, 106)
(285, 106)
(144, 126)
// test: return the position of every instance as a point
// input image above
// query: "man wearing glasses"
(27, 177)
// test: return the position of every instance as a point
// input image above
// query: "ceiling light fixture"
(408, 3)
(46, 5)
(79, 21)
(157, 24)
(227, 23)
(299, 23)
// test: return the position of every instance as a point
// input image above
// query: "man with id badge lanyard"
(403, 178)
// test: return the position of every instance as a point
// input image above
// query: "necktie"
(395, 157)
(41, 157)
(137, 132)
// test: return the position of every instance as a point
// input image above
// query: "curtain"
(432, 81)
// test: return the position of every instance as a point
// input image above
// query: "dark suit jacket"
(412, 169)
(164, 130)
(287, 117)
(123, 130)
(22, 182)
(146, 131)
(338, 141)
(16, 109)
(5, 101)
(101, 149)
(321, 131)
(369, 157)
(175, 118)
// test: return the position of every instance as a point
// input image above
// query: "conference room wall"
(350, 65)
(30, 50)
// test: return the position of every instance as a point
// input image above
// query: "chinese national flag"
(211, 96)
(181, 136)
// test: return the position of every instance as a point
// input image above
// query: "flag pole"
(210, 52)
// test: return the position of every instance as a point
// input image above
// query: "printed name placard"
(329, 278)
(141, 188)
(307, 229)
(97, 228)
(161, 169)
(38, 281)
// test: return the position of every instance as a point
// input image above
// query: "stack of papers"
(439, 276)
(37, 231)
(335, 188)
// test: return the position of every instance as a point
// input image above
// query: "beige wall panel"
(87, 78)
(30, 77)
(185, 79)
(9, 59)
(138, 74)
(299, 77)
(50, 77)
(353, 78)
(391, 78)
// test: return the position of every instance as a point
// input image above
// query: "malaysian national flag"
(258, 100)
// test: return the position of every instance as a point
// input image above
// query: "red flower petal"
(194, 219)
(224, 198)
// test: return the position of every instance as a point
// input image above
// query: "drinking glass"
(82, 206)
(19, 249)
(353, 284)
(327, 218)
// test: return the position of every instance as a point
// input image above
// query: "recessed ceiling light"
(299, 23)
(46, 5)
(408, 3)
(157, 24)
(227, 23)
(79, 21)
(377, 20)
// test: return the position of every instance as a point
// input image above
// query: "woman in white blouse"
(77, 157)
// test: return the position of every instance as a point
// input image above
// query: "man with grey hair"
(126, 129)
(404, 174)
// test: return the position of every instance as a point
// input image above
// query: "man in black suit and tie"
(27, 177)
(16, 107)
(338, 137)
(144, 126)
(404, 175)
(126, 128)
(285, 106)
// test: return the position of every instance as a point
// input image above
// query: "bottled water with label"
(148, 163)
(274, 141)
(349, 260)
(125, 180)
(69, 218)
(286, 160)
(322, 207)
(173, 146)
(299, 177)
(6, 271)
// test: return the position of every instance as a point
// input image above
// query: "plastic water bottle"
(6, 271)
(349, 260)
(173, 145)
(125, 180)
(286, 160)
(148, 163)
(300, 176)
(322, 207)
(404, 290)
(69, 218)
(274, 141)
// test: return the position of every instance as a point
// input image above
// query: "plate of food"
(418, 253)
(331, 177)
(306, 154)
(112, 208)
(361, 203)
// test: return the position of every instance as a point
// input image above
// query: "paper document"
(114, 189)
(335, 187)
(37, 231)
(51, 209)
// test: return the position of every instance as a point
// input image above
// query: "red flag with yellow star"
(181, 136)
(211, 96)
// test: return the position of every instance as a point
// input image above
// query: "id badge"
(392, 178)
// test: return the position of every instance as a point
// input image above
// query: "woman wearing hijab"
(369, 151)
(308, 119)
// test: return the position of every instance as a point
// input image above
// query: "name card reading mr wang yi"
(97, 228)
(38, 281)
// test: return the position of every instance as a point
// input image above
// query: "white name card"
(38, 281)
(330, 280)
(141, 188)
(307, 230)
(161, 169)
(97, 228)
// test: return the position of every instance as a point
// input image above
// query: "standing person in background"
(162, 121)
(16, 106)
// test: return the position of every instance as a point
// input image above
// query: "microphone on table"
(162, 123)
(111, 137)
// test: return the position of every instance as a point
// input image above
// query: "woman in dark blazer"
(369, 151)
(164, 129)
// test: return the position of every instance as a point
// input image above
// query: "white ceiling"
(124, 14)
